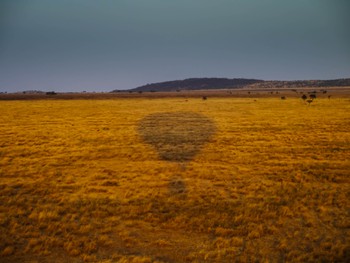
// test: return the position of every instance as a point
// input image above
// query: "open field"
(228, 179)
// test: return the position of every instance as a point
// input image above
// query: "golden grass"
(81, 180)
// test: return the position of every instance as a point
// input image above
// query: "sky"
(103, 45)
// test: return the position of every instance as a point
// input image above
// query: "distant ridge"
(225, 83)
(302, 83)
(197, 84)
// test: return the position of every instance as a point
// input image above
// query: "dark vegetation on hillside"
(197, 84)
(302, 83)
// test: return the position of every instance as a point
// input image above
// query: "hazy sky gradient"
(76, 45)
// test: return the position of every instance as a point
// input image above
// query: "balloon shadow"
(176, 137)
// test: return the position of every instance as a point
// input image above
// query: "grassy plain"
(82, 180)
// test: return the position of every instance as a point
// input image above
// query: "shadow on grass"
(176, 136)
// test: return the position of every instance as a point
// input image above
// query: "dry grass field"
(175, 180)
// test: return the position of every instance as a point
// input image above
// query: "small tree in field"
(309, 101)
(312, 96)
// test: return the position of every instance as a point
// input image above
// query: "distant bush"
(312, 96)
(309, 101)
(51, 93)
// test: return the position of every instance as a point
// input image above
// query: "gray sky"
(76, 45)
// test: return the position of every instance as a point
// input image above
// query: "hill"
(197, 84)
(225, 83)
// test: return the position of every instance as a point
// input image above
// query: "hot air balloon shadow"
(176, 137)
